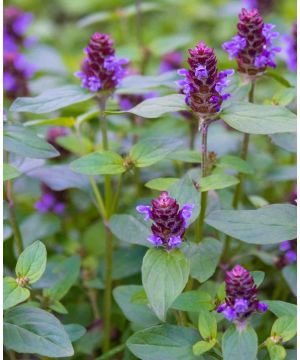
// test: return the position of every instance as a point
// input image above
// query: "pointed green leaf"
(156, 107)
(268, 225)
(281, 308)
(31, 263)
(203, 346)
(207, 324)
(235, 163)
(217, 181)
(285, 327)
(193, 301)
(164, 276)
(104, 163)
(151, 150)
(35, 331)
(51, 100)
(161, 184)
(239, 345)
(12, 293)
(260, 119)
(164, 342)
(276, 351)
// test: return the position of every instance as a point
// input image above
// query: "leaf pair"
(30, 267)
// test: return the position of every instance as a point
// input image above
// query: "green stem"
(239, 188)
(107, 290)
(13, 219)
(98, 197)
(117, 194)
(203, 196)
(261, 346)
(112, 352)
(109, 237)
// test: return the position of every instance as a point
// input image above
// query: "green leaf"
(44, 225)
(23, 141)
(161, 184)
(268, 225)
(10, 172)
(281, 308)
(70, 268)
(285, 96)
(104, 163)
(276, 351)
(12, 293)
(285, 327)
(60, 121)
(202, 347)
(204, 258)
(207, 324)
(31, 263)
(274, 75)
(137, 313)
(287, 141)
(164, 44)
(193, 301)
(239, 345)
(156, 107)
(71, 143)
(164, 276)
(167, 342)
(35, 331)
(258, 277)
(235, 163)
(58, 307)
(74, 331)
(151, 150)
(129, 229)
(51, 100)
(290, 275)
(260, 119)
(217, 181)
(189, 156)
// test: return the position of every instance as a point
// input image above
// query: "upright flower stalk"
(204, 87)
(101, 72)
(241, 297)
(254, 51)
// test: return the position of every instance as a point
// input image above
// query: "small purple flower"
(241, 296)
(169, 221)
(203, 84)
(253, 46)
(51, 201)
(285, 245)
(16, 23)
(291, 256)
(101, 69)
(171, 61)
(288, 255)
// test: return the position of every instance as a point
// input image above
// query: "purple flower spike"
(51, 201)
(169, 221)
(253, 46)
(203, 84)
(241, 296)
(101, 69)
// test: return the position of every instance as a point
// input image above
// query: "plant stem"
(98, 197)
(12, 218)
(239, 188)
(108, 289)
(109, 236)
(112, 352)
(203, 196)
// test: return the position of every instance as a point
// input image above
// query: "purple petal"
(155, 240)
(144, 209)
(174, 241)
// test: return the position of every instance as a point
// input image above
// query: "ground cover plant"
(149, 179)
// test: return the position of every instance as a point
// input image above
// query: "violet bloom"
(253, 46)
(204, 85)
(169, 221)
(171, 61)
(291, 50)
(101, 69)
(51, 201)
(288, 253)
(241, 297)
(16, 23)
(16, 73)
